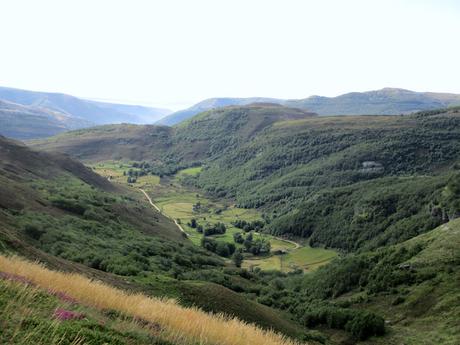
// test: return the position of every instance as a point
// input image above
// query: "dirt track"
(158, 209)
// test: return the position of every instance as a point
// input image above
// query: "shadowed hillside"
(115, 142)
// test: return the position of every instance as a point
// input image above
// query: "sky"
(173, 53)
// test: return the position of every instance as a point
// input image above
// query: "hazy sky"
(173, 53)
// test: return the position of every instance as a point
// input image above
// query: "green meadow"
(177, 202)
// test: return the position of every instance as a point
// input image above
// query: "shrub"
(359, 323)
(33, 231)
(69, 205)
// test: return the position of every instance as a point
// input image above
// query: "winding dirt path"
(297, 245)
(158, 209)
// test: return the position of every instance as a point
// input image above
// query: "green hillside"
(337, 179)
(412, 285)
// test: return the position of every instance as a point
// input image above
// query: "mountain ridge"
(208, 104)
(138, 142)
(386, 101)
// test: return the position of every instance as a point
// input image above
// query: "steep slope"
(155, 321)
(60, 212)
(91, 111)
(59, 206)
(387, 101)
(213, 133)
(209, 104)
(117, 142)
(28, 122)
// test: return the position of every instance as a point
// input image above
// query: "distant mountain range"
(387, 101)
(32, 115)
(29, 114)
(28, 122)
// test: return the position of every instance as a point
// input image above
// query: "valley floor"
(176, 201)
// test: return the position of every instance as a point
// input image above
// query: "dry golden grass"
(181, 325)
(38, 334)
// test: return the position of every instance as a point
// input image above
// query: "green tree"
(238, 238)
(237, 258)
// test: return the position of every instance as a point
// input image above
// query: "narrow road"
(158, 209)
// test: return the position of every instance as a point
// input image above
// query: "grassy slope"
(28, 315)
(429, 310)
(178, 324)
(413, 285)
